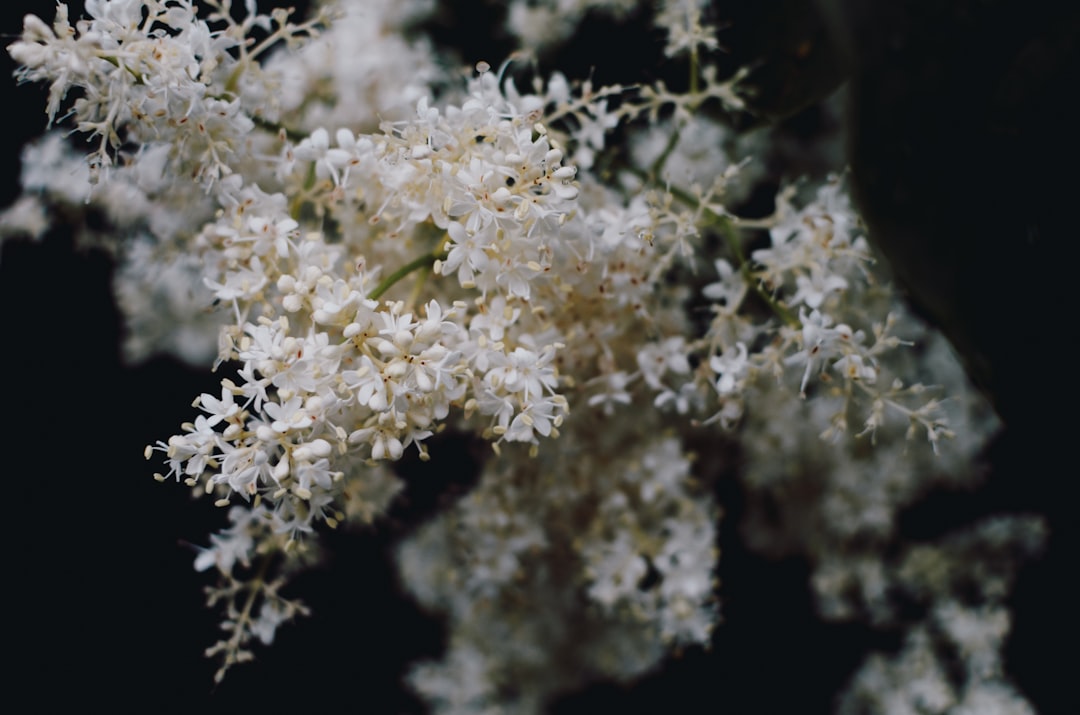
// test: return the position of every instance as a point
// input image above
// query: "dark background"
(964, 159)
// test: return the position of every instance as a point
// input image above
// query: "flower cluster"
(155, 71)
(374, 256)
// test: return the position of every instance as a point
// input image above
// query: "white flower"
(232, 545)
(729, 289)
(329, 163)
(219, 410)
(526, 372)
(612, 392)
(468, 253)
(615, 568)
(242, 284)
(384, 440)
(655, 360)
(539, 417)
(365, 382)
(855, 367)
(314, 474)
(815, 288)
(243, 468)
(289, 415)
(821, 342)
(730, 370)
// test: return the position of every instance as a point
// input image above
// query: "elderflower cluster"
(374, 251)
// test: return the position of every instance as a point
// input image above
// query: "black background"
(103, 608)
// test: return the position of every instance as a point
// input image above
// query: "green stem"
(732, 240)
(658, 165)
(418, 285)
(116, 63)
(694, 71)
(424, 261)
(290, 134)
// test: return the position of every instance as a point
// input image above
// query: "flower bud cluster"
(152, 71)
(336, 376)
(308, 408)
